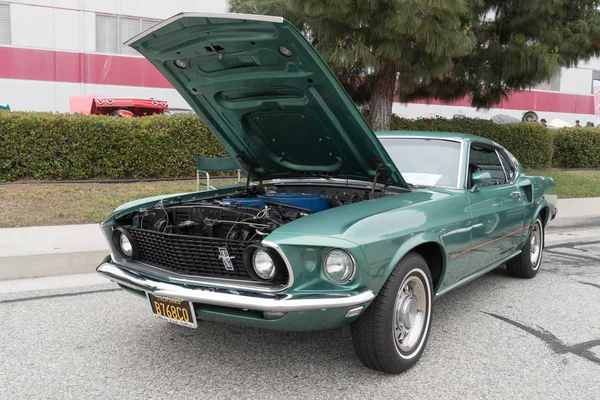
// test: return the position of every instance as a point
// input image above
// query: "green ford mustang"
(336, 224)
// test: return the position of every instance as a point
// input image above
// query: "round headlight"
(125, 245)
(339, 266)
(263, 264)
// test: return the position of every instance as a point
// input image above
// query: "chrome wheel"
(391, 334)
(410, 314)
(527, 263)
(535, 245)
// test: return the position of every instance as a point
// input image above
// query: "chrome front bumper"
(232, 298)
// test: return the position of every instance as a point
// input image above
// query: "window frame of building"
(595, 77)
(119, 21)
(552, 85)
(5, 25)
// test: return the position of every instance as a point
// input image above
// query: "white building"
(569, 97)
(53, 49)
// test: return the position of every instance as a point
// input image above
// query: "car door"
(497, 209)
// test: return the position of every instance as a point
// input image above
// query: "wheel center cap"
(408, 311)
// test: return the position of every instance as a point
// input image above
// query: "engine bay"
(249, 216)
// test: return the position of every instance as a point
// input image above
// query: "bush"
(577, 148)
(531, 144)
(67, 147)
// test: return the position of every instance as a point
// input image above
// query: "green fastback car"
(336, 225)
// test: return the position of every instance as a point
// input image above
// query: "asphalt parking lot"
(497, 337)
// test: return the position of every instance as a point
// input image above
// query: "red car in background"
(116, 106)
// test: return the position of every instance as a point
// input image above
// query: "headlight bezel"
(256, 269)
(116, 239)
(279, 264)
(352, 264)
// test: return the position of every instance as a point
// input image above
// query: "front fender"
(407, 246)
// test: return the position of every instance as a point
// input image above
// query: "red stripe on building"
(62, 66)
(534, 101)
(103, 69)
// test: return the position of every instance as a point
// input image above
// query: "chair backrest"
(216, 164)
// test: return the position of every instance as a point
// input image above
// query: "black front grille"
(192, 255)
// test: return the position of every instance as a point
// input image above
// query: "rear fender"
(543, 205)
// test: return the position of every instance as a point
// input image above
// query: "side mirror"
(480, 179)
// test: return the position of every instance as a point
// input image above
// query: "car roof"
(463, 137)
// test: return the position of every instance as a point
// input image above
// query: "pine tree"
(440, 49)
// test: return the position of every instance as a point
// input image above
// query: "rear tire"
(391, 335)
(527, 264)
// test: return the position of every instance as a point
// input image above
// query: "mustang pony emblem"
(224, 255)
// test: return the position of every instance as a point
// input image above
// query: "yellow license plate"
(180, 312)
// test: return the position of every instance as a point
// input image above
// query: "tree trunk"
(382, 98)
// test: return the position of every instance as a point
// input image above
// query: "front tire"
(391, 335)
(527, 264)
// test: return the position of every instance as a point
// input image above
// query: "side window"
(509, 168)
(515, 162)
(485, 159)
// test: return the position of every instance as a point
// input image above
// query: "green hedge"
(577, 148)
(67, 147)
(531, 144)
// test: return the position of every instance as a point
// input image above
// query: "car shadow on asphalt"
(243, 348)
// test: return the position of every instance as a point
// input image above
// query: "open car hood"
(266, 93)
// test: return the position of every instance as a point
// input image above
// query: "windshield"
(425, 162)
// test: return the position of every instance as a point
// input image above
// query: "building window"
(112, 31)
(595, 77)
(553, 85)
(5, 24)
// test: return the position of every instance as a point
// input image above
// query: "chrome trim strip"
(194, 280)
(483, 243)
(232, 298)
(476, 275)
(249, 17)
(461, 181)
(502, 165)
(418, 137)
(285, 260)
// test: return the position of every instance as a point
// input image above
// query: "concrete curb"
(42, 265)
(50, 250)
(573, 223)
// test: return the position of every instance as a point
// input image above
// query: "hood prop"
(374, 183)
(381, 172)
(248, 177)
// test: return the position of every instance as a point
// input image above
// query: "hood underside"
(266, 93)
